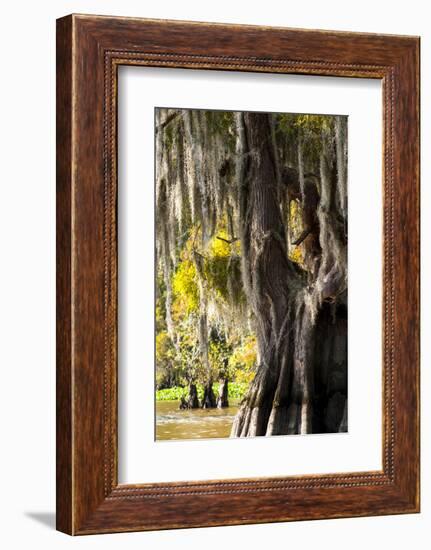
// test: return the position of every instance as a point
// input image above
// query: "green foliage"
(188, 360)
(166, 373)
(242, 361)
(221, 270)
(290, 124)
(309, 128)
(314, 123)
(236, 390)
(286, 124)
(222, 123)
(219, 351)
(171, 394)
(164, 347)
(222, 264)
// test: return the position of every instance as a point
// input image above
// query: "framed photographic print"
(237, 274)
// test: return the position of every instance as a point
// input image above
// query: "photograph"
(251, 273)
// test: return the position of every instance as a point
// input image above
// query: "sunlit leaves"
(222, 264)
(184, 284)
(309, 128)
(242, 362)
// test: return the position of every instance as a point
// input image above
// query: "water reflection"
(172, 423)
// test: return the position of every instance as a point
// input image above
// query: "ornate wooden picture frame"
(89, 51)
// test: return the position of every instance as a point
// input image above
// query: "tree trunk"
(209, 400)
(285, 396)
(222, 398)
(267, 272)
(192, 401)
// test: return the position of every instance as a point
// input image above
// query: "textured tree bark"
(291, 309)
(209, 399)
(222, 398)
(192, 401)
(269, 276)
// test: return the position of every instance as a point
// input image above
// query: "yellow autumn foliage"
(185, 288)
(295, 228)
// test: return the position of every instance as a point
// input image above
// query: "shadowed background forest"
(251, 270)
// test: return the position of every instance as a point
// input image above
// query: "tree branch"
(302, 236)
(231, 241)
(167, 121)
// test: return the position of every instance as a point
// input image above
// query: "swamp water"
(173, 423)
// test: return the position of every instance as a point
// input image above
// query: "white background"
(141, 458)
(27, 122)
